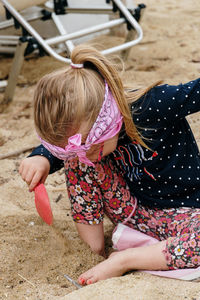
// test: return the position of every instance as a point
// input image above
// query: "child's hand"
(33, 170)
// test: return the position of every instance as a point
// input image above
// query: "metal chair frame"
(30, 34)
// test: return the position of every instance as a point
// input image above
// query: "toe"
(91, 280)
(83, 278)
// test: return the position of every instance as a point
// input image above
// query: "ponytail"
(91, 58)
(70, 99)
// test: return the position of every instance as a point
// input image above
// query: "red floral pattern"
(179, 226)
(99, 190)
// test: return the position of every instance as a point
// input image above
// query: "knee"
(98, 249)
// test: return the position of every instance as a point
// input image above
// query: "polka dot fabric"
(176, 166)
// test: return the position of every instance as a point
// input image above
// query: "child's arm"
(166, 104)
(93, 235)
(176, 102)
(55, 163)
(33, 170)
(37, 166)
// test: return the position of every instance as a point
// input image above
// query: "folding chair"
(31, 39)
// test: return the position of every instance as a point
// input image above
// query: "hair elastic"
(76, 66)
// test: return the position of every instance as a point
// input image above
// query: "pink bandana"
(106, 126)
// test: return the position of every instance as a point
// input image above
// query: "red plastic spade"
(42, 204)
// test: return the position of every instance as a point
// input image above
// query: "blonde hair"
(66, 98)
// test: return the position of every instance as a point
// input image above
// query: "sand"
(34, 256)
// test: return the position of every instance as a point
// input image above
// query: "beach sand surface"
(34, 256)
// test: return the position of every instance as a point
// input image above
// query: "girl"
(122, 149)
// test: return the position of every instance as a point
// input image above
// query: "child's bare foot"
(115, 265)
(140, 258)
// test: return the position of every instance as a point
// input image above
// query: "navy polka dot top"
(167, 174)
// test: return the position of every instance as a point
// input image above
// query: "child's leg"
(180, 227)
(163, 223)
(181, 249)
(143, 258)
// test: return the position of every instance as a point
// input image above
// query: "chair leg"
(14, 73)
(130, 36)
